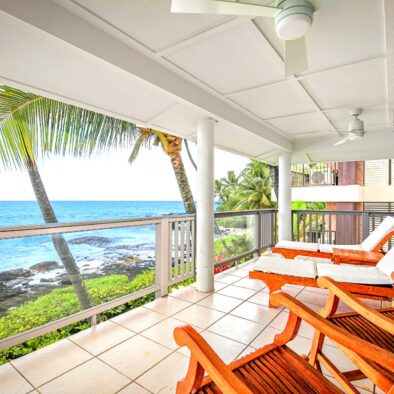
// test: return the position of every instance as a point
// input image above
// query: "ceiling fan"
(293, 18)
(355, 131)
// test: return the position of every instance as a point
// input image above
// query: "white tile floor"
(136, 353)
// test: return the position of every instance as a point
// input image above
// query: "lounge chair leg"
(193, 379)
(317, 345)
(272, 287)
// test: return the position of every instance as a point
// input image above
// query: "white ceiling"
(136, 60)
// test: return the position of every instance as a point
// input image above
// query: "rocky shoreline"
(20, 285)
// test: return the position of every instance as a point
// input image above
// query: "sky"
(109, 177)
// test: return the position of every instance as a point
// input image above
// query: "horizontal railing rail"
(56, 228)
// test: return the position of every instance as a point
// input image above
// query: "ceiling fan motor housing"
(294, 19)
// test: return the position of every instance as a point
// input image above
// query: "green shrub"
(232, 245)
(63, 302)
(233, 222)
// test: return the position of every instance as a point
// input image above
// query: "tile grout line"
(176, 350)
(23, 376)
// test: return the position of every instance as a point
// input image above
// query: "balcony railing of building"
(110, 254)
(314, 174)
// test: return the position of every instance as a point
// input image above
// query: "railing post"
(163, 256)
(365, 224)
(257, 234)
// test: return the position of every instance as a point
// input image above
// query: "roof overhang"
(138, 62)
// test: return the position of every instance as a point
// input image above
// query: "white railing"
(174, 261)
(173, 237)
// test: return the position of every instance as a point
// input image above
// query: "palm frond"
(162, 138)
(32, 126)
(137, 146)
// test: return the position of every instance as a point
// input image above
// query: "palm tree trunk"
(58, 240)
(183, 183)
(274, 173)
(190, 154)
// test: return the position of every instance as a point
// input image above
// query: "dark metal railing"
(314, 174)
(335, 227)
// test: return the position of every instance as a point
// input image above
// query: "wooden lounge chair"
(373, 243)
(276, 368)
(367, 282)
(374, 326)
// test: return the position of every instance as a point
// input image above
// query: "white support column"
(205, 205)
(284, 198)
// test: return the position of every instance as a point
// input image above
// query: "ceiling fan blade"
(296, 59)
(221, 8)
(342, 141)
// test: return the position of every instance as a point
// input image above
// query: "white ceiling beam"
(71, 30)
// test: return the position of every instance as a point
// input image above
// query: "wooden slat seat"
(374, 326)
(270, 373)
(364, 329)
(276, 368)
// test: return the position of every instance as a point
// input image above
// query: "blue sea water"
(112, 243)
(15, 213)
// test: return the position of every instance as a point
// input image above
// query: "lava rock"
(18, 273)
(45, 266)
(100, 242)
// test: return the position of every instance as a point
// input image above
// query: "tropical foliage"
(33, 126)
(62, 302)
(172, 146)
(303, 224)
(235, 245)
(249, 190)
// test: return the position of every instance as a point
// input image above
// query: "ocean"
(91, 249)
(16, 213)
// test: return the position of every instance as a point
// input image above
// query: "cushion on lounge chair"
(314, 259)
(360, 274)
(327, 248)
(386, 263)
(275, 265)
(308, 246)
(378, 234)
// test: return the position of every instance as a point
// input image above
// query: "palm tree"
(226, 189)
(172, 146)
(32, 126)
(254, 190)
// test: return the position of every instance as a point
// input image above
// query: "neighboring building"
(346, 186)
(362, 185)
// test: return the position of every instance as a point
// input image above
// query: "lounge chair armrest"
(207, 358)
(358, 306)
(357, 345)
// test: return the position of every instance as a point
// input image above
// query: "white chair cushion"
(314, 259)
(275, 265)
(360, 274)
(327, 248)
(270, 254)
(308, 246)
(378, 234)
(386, 263)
